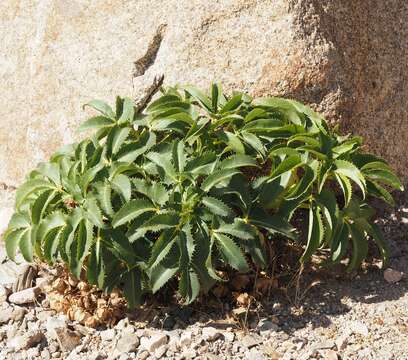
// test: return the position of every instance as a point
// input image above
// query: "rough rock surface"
(345, 58)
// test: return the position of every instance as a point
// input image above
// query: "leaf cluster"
(194, 184)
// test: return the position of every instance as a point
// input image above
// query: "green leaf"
(234, 142)
(133, 287)
(116, 138)
(162, 162)
(128, 111)
(155, 224)
(121, 184)
(360, 247)
(26, 244)
(253, 141)
(161, 248)
(102, 107)
(238, 229)
(13, 239)
(40, 205)
(272, 223)
(315, 233)
(18, 221)
(199, 96)
(96, 122)
(217, 177)
(93, 212)
(201, 165)
(104, 196)
(179, 157)
(345, 185)
(349, 170)
(51, 243)
(232, 103)
(385, 176)
(131, 210)
(286, 165)
(339, 242)
(189, 286)
(216, 206)
(236, 161)
(232, 252)
(160, 275)
(128, 153)
(378, 191)
(156, 192)
(30, 187)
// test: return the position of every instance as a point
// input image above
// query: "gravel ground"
(355, 316)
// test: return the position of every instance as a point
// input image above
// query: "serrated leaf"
(360, 246)
(234, 142)
(217, 177)
(374, 189)
(288, 164)
(132, 287)
(216, 206)
(131, 210)
(179, 157)
(349, 170)
(339, 242)
(345, 185)
(128, 111)
(18, 221)
(199, 96)
(26, 244)
(130, 152)
(160, 275)
(93, 212)
(51, 243)
(156, 223)
(238, 229)
(162, 162)
(156, 192)
(232, 104)
(116, 138)
(29, 188)
(122, 185)
(202, 165)
(161, 248)
(96, 122)
(102, 107)
(236, 161)
(232, 252)
(12, 239)
(104, 195)
(40, 205)
(315, 233)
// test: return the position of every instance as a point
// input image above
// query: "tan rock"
(340, 57)
(392, 276)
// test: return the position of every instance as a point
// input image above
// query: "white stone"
(25, 341)
(108, 335)
(25, 296)
(186, 338)
(55, 322)
(129, 342)
(210, 333)
(358, 327)
(154, 342)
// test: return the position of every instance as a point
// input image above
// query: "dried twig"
(142, 102)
